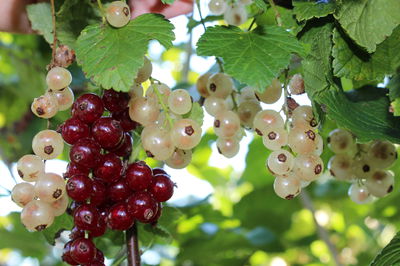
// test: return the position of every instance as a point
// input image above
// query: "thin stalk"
(252, 24)
(53, 16)
(132, 245)
(163, 106)
(101, 10)
(277, 14)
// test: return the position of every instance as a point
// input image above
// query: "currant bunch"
(234, 13)
(363, 165)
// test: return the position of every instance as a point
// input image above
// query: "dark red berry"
(79, 187)
(159, 171)
(119, 218)
(157, 216)
(162, 188)
(139, 176)
(125, 147)
(127, 123)
(74, 169)
(107, 132)
(96, 263)
(142, 206)
(85, 153)
(76, 233)
(99, 230)
(83, 250)
(99, 255)
(119, 190)
(88, 108)
(115, 101)
(86, 217)
(66, 256)
(110, 168)
(73, 130)
(99, 193)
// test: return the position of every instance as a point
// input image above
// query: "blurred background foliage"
(242, 223)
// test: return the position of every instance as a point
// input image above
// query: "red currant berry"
(66, 256)
(83, 250)
(99, 255)
(125, 147)
(142, 206)
(73, 130)
(79, 187)
(119, 190)
(85, 153)
(110, 168)
(162, 188)
(107, 132)
(86, 217)
(74, 169)
(159, 171)
(76, 233)
(119, 218)
(115, 101)
(139, 176)
(88, 108)
(127, 123)
(99, 193)
(99, 230)
(155, 218)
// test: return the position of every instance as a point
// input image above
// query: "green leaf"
(196, 114)
(389, 254)
(394, 87)
(307, 10)
(365, 112)
(369, 22)
(61, 223)
(317, 70)
(41, 19)
(261, 4)
(168, 2)
(112, 57)
(255, 57)
(352, 62)
(396, 107)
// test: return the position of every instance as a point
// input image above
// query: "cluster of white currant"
(46, 198)
(363, 165)
(234, 12)
(167, 135)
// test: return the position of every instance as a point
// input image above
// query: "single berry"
(119, 190)
(139, 176)
(85, 153)
(119, 218)
(162, 188)
(115, 101)
(125, 147)
(107, 132)
(99, 193)
(79, 187)
(86, 217)
(99, 229)
(73, 130)
(142, 206)
(66, 256)
(157, 216)
(88, 108)
(159, 171)
(74, 169)
(110, 168)
(83, 251)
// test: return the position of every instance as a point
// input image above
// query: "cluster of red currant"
(363, 165)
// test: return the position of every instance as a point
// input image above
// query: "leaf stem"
(251, 24)
(163, 106)
(132, 245)
(277, 14)
(54, 45)
(101, 10)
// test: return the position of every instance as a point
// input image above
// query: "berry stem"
(132, 245)
(101, 10)
(285, 104)
(163, 106)
(54, 45)
(277, 14)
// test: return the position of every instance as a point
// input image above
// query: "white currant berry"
(157, 143)
(296, 85)
(118, 14)
(220, 85)
(226, 124)
(359, 193)
(341, 167)
(22, 194)
(319, 148)
(45, 106)
(382, 154)
(272, 93)
(30, 167)
(180, 101)
(235, 15)
(308, 167)
(186, 134)
(145, 71)
(217, 7)
(266, 119)
(47, 144)
(214, 105)
(247, 110)
(201, 85)
(247, 94)
(144, 110)
(162, 88)
(179, 159)
(136, 90)
(275, 138)
(362, 168)
(303, 116)
(37, 215)
(380, 183)
(228, 147)
(340, 141)
(58, 78)
(50, 187)
(302, 140)
(60, 206)
(65, 98)
(287, 188)
(280, 162)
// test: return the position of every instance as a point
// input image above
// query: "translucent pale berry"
(30, 167)
(272, 93)
(226, 124)
(22, 194)
(382, 154)
(340, 141)
(88, 108)
(37, 215)
(303, 116)
(60, 206)
(296, 84)
(380, 183)
(179, 159)
(65, 98)
(144, 72)
(247, 94)
(247, 110)
(275, 138)
(340, 166)
(217, 7)
(118, 14)
(319, 148)
(144, 110)
(201, 85)
(266, 119)
(220, 85)
(287, 188)
(50, 187)
(158, 143)
(58, 78)
(362, 168)
(359, 193)
(235, 15)
(163, 90)
(308, 167)
(47, 144)
(45, 106)
(107, 132)
(136, 90)
(302, 140)
(180, 101)
(186, 134)
(228, 147)
(142, 206)
(280, 162)
(214, 105)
